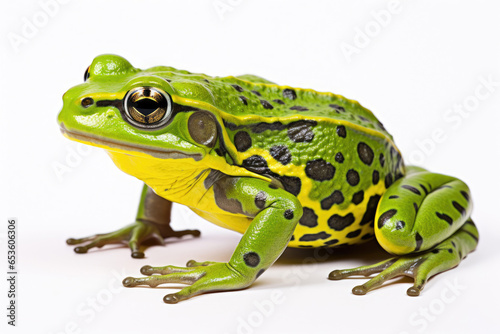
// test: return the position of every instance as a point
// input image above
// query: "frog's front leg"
(151, 226)
(425, 219)
(274, 213)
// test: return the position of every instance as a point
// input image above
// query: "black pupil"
(86, 75)
(145, 106)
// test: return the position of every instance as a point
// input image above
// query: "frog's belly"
(349, 223)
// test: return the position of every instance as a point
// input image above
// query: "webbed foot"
(420, 266)
(138, 236)
(201, 277)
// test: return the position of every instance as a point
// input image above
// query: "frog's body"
(284, 166)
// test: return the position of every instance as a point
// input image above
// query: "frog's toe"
(193, 263)
(359, 290)
(138, 254)
(413, 291)
(171, 298)
(149, 270)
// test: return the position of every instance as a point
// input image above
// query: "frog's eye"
(87, 74)
(147, 107)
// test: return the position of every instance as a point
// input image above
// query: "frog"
(283, 166)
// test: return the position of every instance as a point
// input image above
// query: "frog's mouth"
(115, 145)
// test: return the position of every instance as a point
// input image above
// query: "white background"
(411, 67)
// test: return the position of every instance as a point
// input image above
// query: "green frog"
(286, 167)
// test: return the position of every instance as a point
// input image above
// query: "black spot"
(382, 220)
(365, 153)
(301, 131)
(364, 119)
(261, 127)
(445, 217)
(335, 198)
(412, 189)
(292, 184)
(251, 259)
(358, 197)
(266, 104)
(388, 180)
(465, 195)
(243, 99)
(337, 108)
(206, 80)
(459, 208)
(331, 242)
(338, 223)
(309, 218)
(281, 154)
(242, 141)
(418, 242)
(435, 251)
(381, 125)
(292, 238)
(443, 187)
(371, 209)
(238, 88)
(341, 132)
(256, 93)
(339, 157)
(288, 214)
(315, 236)
(260, 273)
(299, 108)
(278, 101)
(367, 236)
(260, 199)
(415, 206)
(289, 94)
(471, 235)
(393, 196)
(320, 170)
(450, 250)
(231, 126)
(453, 244)
(381, 158)
(375, 177)
(256, 164)
(352, 177)
(424, 188)
(353, 234)
(400, 225)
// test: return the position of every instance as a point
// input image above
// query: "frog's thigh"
(421, 210)
(275, 214)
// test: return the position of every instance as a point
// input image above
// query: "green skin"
(421, 217)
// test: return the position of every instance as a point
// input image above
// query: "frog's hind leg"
(425, 219)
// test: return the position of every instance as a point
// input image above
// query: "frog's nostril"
(87, 102)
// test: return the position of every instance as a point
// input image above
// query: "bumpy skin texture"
(284, 166)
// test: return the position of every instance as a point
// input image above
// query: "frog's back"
(329, 151)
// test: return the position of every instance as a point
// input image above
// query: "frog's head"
(139, 112)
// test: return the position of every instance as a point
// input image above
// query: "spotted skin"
(283, 166)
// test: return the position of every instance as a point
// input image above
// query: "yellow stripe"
(256, 118)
